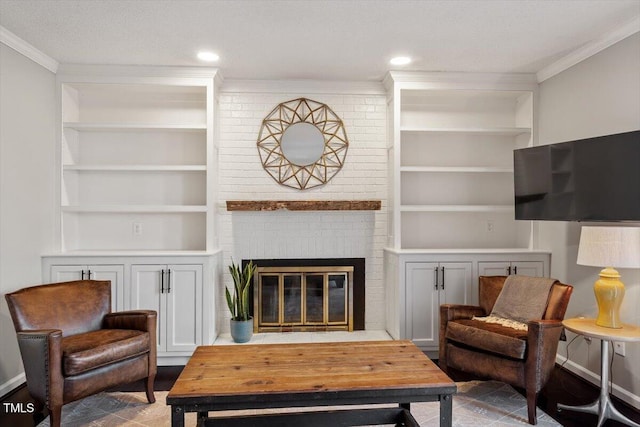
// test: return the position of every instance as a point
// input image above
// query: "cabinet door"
(113, 273)
(67, 273)
(184, 308)
(421, 303)
(502, 268)
(455, 283)
(148, 293)
(505, 268)
(528, 268)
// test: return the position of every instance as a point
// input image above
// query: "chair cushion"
(490, 337)
(91, 350)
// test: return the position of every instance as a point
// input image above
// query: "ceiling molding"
(443, 80)
(137, 70)
(303, 86)
(16, 43)
(589, 49)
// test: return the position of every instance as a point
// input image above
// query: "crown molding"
(303, 86)
(589, 49)
(108, 70)
(16, 43)
(443, 80)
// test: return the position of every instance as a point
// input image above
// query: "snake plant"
(239, 302)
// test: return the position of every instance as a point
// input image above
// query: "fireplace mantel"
(304, 205)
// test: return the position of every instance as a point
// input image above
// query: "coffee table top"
(257, 371)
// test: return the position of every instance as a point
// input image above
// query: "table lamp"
(609, 247)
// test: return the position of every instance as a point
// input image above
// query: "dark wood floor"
(563, 387)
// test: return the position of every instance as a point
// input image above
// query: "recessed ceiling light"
(208, 56)
(400, 60)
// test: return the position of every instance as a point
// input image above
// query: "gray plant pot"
(241, 330)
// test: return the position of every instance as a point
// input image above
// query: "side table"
(603, 405)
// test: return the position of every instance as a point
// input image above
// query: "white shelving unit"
(137, 166)
(452, 154)
(451, 216)
(137, 160)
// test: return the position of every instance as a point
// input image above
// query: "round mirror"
(302, 144)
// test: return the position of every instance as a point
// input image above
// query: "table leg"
(177, 416)
(446, 410)
(603, 406)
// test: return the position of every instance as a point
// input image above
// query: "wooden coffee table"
(237, 377)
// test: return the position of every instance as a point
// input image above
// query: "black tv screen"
(593, 179)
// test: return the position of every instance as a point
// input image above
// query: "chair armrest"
(450, 312)
(542, 346)
(458, 311)
(139, 320)
(41, 352)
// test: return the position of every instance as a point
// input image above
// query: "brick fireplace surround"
(286, 233)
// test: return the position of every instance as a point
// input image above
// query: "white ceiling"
(317, 39)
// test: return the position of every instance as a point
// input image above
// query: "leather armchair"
(72, 346)
(524, 359)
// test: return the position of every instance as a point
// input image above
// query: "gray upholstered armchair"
(523, 358)
(72, 346)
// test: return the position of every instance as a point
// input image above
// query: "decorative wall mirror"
(302, 143)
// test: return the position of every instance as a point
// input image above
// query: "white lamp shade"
(616, 247)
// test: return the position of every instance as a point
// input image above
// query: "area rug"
(477, 403)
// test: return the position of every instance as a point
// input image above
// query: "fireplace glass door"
(313, 298)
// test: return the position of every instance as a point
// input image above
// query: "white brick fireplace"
(304, 234)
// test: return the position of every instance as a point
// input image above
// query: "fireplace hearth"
(309, 294)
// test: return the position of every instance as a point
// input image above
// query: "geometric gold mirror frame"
(302, 143)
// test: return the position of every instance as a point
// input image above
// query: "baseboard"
(619, 392)
(11, 385)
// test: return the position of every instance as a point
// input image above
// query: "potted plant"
(241, 321)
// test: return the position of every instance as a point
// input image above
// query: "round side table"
(603, 405)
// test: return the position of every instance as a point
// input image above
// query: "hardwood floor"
(563, 387)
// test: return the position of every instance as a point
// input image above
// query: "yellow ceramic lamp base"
(609, 292)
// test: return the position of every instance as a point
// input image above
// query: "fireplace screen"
(303, 298)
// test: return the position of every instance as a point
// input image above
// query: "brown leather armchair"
(523, 359)
(72, 346)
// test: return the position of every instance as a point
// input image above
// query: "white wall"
(266, 235)
(598, 96)
(27, 177)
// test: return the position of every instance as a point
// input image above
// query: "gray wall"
(27, 184)
(598, 96)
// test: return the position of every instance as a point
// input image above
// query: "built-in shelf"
(104, 127)
(304, 205)
(456, 208)
(508, 131)
(457, 169)
(135, 168)
(135, 209)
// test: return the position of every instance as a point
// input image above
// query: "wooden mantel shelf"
(304, 205)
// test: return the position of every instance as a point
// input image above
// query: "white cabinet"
(428, 285)
(137, 160)
(180, 287)
(175, 292)
(113, 273)
(506, 268)
(452, 160)
(417, 282)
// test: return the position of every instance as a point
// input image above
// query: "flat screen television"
(593, 179)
